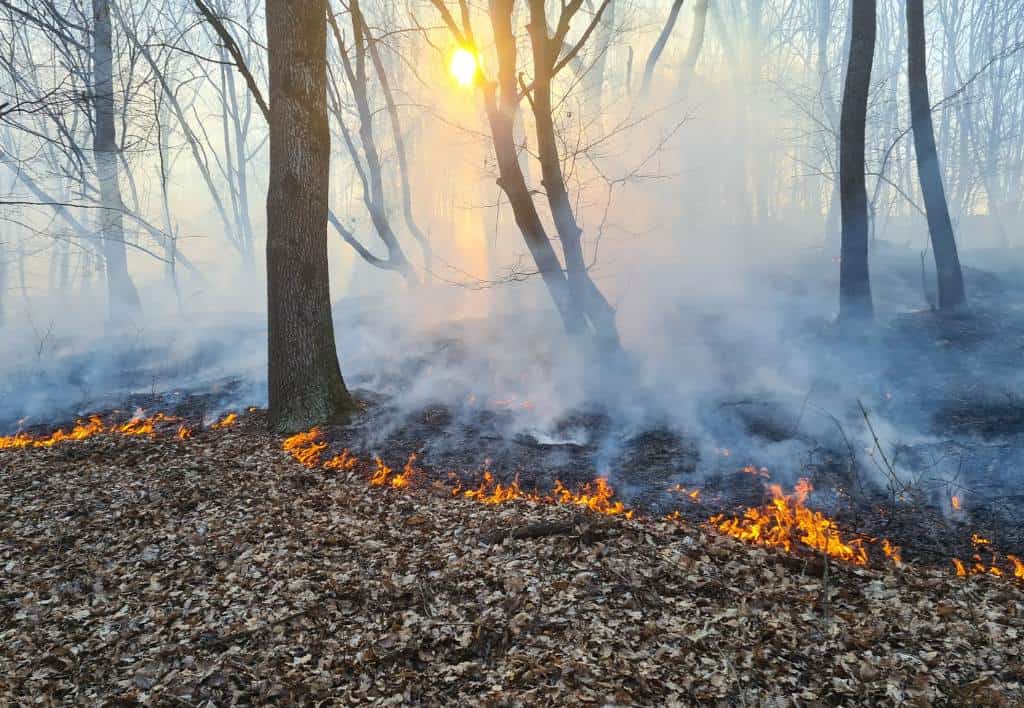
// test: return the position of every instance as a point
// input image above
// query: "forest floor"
(158, 571)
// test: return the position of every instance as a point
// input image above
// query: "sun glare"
(463, 67)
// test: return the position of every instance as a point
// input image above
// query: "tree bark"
(304, 377)
(854, 279)
(940, 227)
(122, 297)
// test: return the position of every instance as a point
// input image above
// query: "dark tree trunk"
(501, 104)
(122, 297)
(304, 378)
(659, 46)
(854, 280)
(947, 262)
(583, 294)
(700, 21)
(3, 278)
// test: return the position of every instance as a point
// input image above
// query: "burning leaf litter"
(219, 572)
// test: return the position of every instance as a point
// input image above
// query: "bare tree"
(581, 305)
(122, 296)
(304, 379)
(854, 279)
(659, 46)
(947, 261)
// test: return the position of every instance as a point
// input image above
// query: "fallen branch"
(586, 533)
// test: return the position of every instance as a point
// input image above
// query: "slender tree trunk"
(304, 379)
(947, 262)
(659, 46)
(854, 281)
(501, 114)
(593, 80)
(122, 297)
(582, 292)
(3, 277)
(693, 49)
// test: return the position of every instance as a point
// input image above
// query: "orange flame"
(992, 567)
(492, 492)
(382, 475)
(85, 429)
(225, 422)
(693, 494)
(892, 553)
(342, 461)
(955, 501)
(184, 432)
(306, 447)
(786, 521)
(596, 496)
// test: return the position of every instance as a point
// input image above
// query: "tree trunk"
(593, 80)
(304, 378)
(854, 280)
(583, 294)
(122, 298)
(501, 113)
(659, 46)
(947, 262)
(3, 277)
(700, 21)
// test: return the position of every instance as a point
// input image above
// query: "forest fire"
(786, 521)
(598, 496)
(91, 427)
(138, 425)
(986, 561)
(225, 422)
(691, 494)
(306, 447)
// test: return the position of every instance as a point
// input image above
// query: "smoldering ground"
(889, 427)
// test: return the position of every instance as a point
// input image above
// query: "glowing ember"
(787, 521)
(306, 447)
(184, 432)
(224, 422)
(464, 67)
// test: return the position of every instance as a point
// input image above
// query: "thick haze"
(706, 207)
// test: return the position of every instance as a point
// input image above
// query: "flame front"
(306, 447)
(786, 521)
(85, 429)
(225, 422)
(980, 566)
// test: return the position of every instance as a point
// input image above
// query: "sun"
(464, 67)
